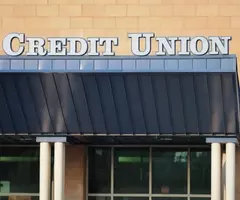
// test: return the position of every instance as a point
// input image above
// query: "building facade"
(120, 127)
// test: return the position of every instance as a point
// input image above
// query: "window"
(148, 173)
(19, 172)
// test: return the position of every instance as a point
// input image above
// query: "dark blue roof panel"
(197, 103)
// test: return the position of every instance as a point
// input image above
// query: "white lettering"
(184, 45)
(166, 45)
(109, 42)
(135, 43)
(7, 44)
(93, 47)
(219, 45)
(73, 46)
(204, 45)
(57, 46)
(36, 47)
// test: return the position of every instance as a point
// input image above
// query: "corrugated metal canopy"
(138, 101)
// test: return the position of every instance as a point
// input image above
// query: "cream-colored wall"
(118, 17)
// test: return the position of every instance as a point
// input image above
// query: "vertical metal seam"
(101, 104)
(169, 105)
(46, 103)
(114, 104)
(182, 104)
(74, 104)
(20, 103)
(60, 103)
(209, 101)
(196, 102)
(141, 103)
(7, 106)
(155, 104)
(33, 100)
(223, 103)
(128, 105)
(88, 107)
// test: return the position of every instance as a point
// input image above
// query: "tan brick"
(12, 2)
(196, 22)
(24, 10)
(138, 10)
(125, 2)
(93, 10)
(116, 10)
(207, 10)
(219, 2)
(71, 32)
(164, 10)
(71, 2)
(184, 2)
(6, 11)
(104, 22)
(48, 22)
(81, 22)
(219, 22)
(19, 23)
(58, 2)
(36, 2)
(172, 22)
(127, 22)
(184, 10)
(80, 2)
(229, 10)
(149, 22)
(47, 10)
(235, 22)
(70, 10)
(150, 2)
(75, 174)
(105, 2)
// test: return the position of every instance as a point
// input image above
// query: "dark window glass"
(19, 170)
(99, 166)
(99, 198)
(169, 198)
(199, 198)
(169, 171)
(27, 197)
(131, 198)
(200, 169)
(131, 170)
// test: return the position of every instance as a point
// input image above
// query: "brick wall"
(75, 175)
(117, 17)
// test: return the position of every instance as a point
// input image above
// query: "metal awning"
(119, 95)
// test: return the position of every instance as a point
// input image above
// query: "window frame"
(150, 195)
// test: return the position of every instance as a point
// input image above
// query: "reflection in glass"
(99, 198)
(131, 198)
(19, 170)
(99, 170)
(169, 171)
(131, 170)
(200, 169)
(15, 197)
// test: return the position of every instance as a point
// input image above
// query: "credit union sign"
(79, 46)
